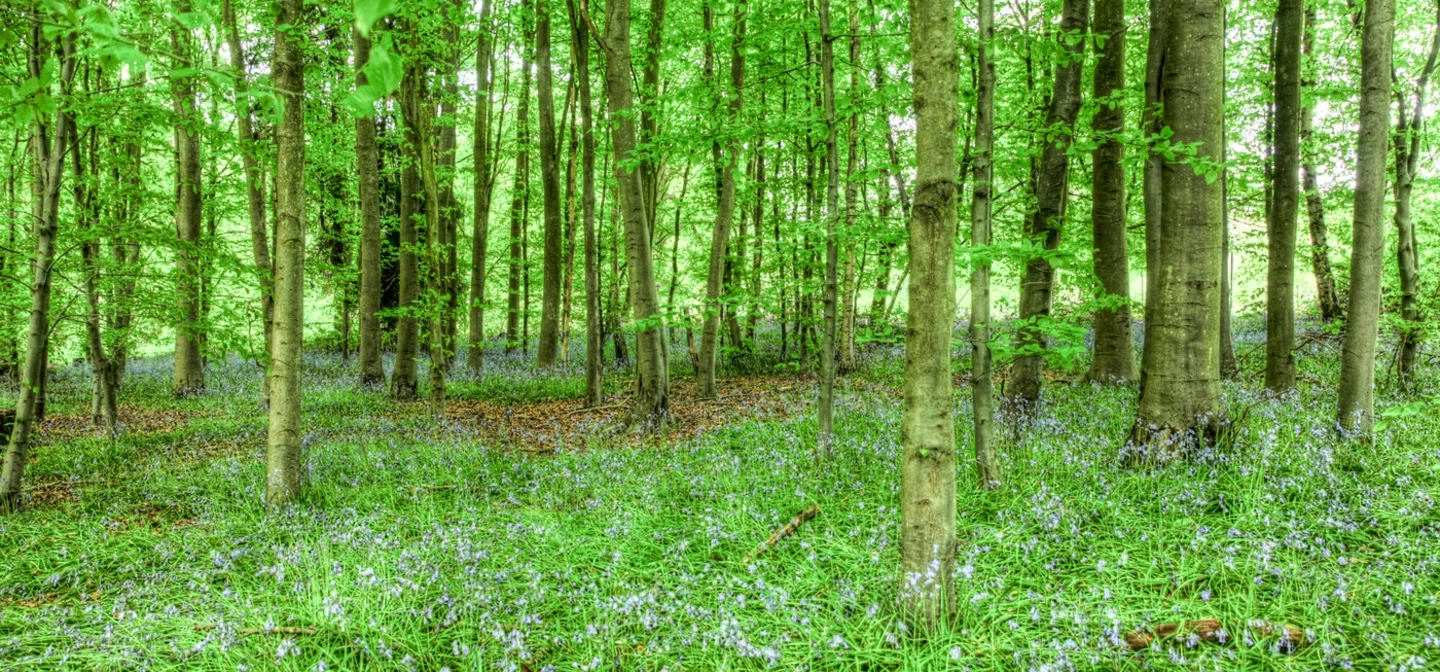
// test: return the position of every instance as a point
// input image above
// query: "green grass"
(421, 547)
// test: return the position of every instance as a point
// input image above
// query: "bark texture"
(927, 427)
(189, 367)
(1285, 201)
(547, 352)
(982, 392)
(1356, 411)
(367, 159)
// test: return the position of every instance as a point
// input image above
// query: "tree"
(1357, 360)
(927, 428)
(982, 390)
(520, 191)
(832, 213)
(282, 455)
(651, 404)
(484, 184)
(50, 139)
(1285, 200)
(404, 382)
(549, 345)
(367, 159)
(1114, 360)
(1314, 206)
(1050, 183)
(1408, 136)
(189, 332)
(1180, 404)
(580, 51)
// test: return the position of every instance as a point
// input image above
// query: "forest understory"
(516, 533)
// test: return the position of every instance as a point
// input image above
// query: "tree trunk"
(189, 367)
(1314, 205)
(982, 392)
(484, 186)
(88, 218)
(725, 209)
(1150, 125)
(852, 213)
(548, 350)
(1052, 181)
(1407, 164)
(405, 382)
(50, 141)
(520, 196)
(927, 429)
(283, 459)
(1285, 201)
(652, 385)
(1180, 404)
(1356, 411)
(367, 159)
(1114, 360)
(580, 51)
(826, 402)
(254, 176)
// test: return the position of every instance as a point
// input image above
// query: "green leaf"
(367, 12)
(192, 20)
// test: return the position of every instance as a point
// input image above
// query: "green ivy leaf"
(367, 12)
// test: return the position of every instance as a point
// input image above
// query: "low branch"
(789, 529)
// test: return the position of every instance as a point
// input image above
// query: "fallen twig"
(591, 409)
(246, 632)
(785, 531)
(1292, 638)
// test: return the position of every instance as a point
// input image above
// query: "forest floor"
(519, 534)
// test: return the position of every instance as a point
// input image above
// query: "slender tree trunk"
(652, 385)
(1150, 126)
(1357, 361)
(725, 210)
(50, 141)
(367, 159)
(832, 256)
(446, 254)
(1285, 190)
(484, 186)
(1229, 366)
(189, 366)
(1114, 360)
(982, 392)
(283, 458)
(1180, 404)
(405, 382)
(88, 218)
(594, 355)
(254, 176)
(520, 196)
(927, 429)
(1052, 179)
(1407, 163)
(852, 214)
(1314, 205)
(548, 350)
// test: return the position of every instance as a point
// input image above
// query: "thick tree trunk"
(1356, 411)
(548, 350)
(652, 385)
(1114, 360)
(283, 458)
(725, 209)
(189, 367)
(927, 428)
(1150, 125)
(1180, 404)
(1052, 181)
(594, 346)
(1314, 206)
(484, 186)
(1407, 163)
(1285, 201)
(982, 384)
(367, 159)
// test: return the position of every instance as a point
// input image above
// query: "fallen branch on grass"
(789, 529)
(591, 409)
(277, 630)
(1292, 638)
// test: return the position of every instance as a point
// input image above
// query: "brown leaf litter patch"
(542, 427)
(158, 518)
(133, 420)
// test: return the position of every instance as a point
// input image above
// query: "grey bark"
(547, 351)
(982, 384)
(1285, 201)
